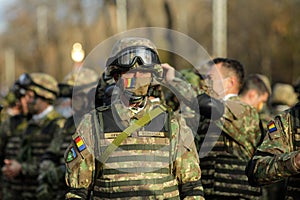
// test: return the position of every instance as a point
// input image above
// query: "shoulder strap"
(128, 131)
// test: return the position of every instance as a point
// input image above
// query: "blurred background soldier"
(235, 139)
(153, 158)
(255, 92)
(52, 183)
(45, 125)
(278, 157)
(11, 133)
(283, 98)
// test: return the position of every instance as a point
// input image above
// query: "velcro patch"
(272, 127)
(80, 144)
(71, 155)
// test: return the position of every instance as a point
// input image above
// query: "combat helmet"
(129, 51)
(283, 94)
(44, 85)
(83, 79)
(130, 54)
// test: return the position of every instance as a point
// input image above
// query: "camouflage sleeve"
(187, 168)
(274, 159)
(80, 163)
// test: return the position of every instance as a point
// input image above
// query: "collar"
(228, 96)
(42, 114)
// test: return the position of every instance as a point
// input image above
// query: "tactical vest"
(223, 174)
(17, 125)
(140, 167)
(38, 137)
(293, 186)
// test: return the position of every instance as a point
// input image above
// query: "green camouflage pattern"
(38, 141)
(46, 81)
(131, 42)
(81, 77)
(10, 141)
(241, 122)
(234, 142)
(274, 158)
(82, 171)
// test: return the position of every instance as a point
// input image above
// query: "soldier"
(44, 126)
(233, 139)
(283, 98)
(153, 158)
(11, 133)
(52, 184)
(278, 157)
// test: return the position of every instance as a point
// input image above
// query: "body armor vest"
(141, 166)
(38, 137)
(293, 186)
(16, 126)
(223, 173)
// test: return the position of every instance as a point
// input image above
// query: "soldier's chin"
(130, 98)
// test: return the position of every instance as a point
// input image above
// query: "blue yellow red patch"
(80, 144)
(272, 127)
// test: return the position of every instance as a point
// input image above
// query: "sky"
(3, 6)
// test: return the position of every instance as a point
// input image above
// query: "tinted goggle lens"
(127, 58)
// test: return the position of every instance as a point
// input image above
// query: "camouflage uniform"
(153, 162)
(10, 138)
(85, 173)
(38, 135)
(274, 158)
(51, 179)
(234, 139)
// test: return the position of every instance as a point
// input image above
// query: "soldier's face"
(218, 80)
(259, 101)
(32, 102)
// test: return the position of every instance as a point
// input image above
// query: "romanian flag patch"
(272, 127)
(80, 144)
(71, 155)
(129, 82)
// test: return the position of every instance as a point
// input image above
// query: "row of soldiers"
(133, 146)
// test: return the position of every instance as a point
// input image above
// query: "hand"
(12, 168)
(170, 71)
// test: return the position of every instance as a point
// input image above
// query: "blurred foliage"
(263, 35)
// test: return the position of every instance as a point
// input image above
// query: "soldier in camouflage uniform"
(278, 157)
(256, 91)
(10, 135)
(153, 158)
(45, 125)
(233, 138)
(52, 184)
(283, 98)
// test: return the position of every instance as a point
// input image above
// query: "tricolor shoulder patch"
(272, 127)
(80, 144)
(71, 155)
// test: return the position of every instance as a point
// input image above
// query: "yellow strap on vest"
(128, 131)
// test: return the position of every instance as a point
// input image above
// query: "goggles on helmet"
(25, 81)
(131, 55)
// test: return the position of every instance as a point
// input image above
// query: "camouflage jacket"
(241, 123)
(225, 148)
(83, 167)
(274, 158)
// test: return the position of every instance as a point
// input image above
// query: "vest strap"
(129, 130)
